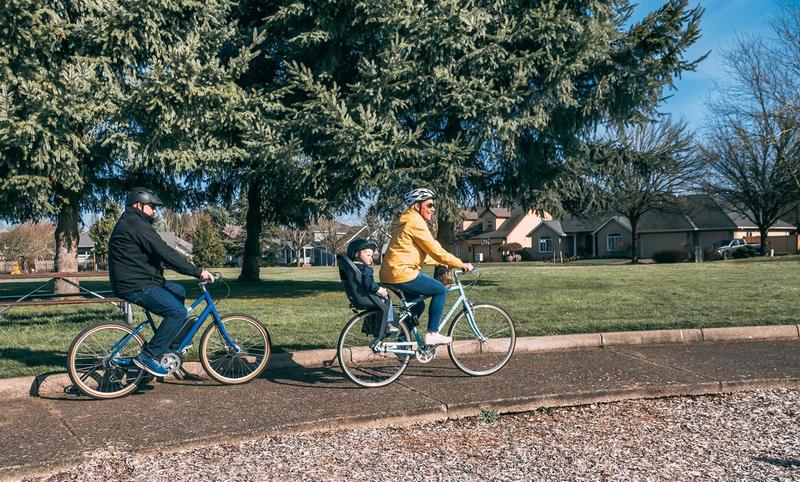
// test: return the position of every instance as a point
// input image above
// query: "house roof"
(553, 224)
(621, 220)
(688, 213)
(475, 231)
(471, 214)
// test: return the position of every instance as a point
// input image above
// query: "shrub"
(671, 256)
(525, 255)
(745, 252)
(711, 254)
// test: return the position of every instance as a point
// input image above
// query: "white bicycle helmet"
(417, 195)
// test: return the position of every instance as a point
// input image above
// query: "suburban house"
(314, 252)
(486, 230)
(693, 221)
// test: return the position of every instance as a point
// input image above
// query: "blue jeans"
(166, 301)
(424, 285)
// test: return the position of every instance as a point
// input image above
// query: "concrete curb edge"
(21, 387)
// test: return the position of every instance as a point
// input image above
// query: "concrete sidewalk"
(42, 434)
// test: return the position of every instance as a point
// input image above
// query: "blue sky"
(722, 21)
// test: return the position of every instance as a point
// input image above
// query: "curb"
(443, 413)
(55, 383)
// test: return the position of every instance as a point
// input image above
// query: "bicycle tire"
(83, 366)
(481, 358)
(360, 364)
(220, 363)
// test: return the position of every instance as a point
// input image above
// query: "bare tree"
(379, 226)
(753, 145)
(294, 238)
(642, 167)
(27, 243)
(332, 234)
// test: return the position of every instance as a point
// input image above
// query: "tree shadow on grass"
(68, 314)
(34, 358)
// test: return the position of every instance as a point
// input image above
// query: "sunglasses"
(429, 206)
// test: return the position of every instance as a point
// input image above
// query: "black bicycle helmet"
(142, 195)
(357, 245)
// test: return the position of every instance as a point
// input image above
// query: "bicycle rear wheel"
(476, 357)
(222, 362)
(364, 366)
(91, 368)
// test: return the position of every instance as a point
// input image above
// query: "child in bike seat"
(361, 252)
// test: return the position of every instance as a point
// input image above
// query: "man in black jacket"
(136, 259)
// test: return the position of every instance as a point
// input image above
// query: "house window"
(545, 244)
(458, 250)
(488, 224)
(614, 242)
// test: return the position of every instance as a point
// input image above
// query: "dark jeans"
(424, 285)
(164, 301)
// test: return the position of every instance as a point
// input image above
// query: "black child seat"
(360, 299)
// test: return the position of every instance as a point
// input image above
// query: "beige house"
(486, 230)
(694, 221)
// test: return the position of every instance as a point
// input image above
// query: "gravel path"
(744, 436)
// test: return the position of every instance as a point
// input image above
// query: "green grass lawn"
(306, 308)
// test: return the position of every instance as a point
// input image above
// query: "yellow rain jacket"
(413, 245)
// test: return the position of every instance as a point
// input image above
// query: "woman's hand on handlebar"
(206, 275)
(468, 267)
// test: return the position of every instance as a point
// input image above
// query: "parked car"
(726, 247)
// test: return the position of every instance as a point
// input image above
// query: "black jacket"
(137, 255)
(367, 277)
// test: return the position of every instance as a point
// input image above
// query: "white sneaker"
(437, 339)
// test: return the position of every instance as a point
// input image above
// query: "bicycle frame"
(461, 300)
(210, 309)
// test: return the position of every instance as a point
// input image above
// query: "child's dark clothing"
(369, 284)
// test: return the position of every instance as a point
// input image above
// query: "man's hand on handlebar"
(207, 276)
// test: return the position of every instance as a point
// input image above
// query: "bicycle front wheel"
(94, 371)
(367, 367)
(223, 362)
(486, 350)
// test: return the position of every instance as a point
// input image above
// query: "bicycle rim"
(227, 366)
(90, 369)
(361, 364)
(476, 357)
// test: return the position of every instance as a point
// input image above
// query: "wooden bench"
(33, 297)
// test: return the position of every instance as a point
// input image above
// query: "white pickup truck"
(726, 247)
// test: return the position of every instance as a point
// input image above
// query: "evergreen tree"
(292, 174)
(485, 98)
(97, 97)
(208, 250)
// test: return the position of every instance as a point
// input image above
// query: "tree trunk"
(446, 234)
(634, 240)
(253, 225)
(763, 248)
(67, 235)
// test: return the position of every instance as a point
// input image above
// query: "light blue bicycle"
(372, 356)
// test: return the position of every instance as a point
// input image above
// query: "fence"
(781, 244)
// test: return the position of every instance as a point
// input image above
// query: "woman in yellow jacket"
(411, 246)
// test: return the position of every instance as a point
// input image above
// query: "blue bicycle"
(233, 349)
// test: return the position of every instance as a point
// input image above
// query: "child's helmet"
(357, 245)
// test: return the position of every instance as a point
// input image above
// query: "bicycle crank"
(171, 361)
(427, 354)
